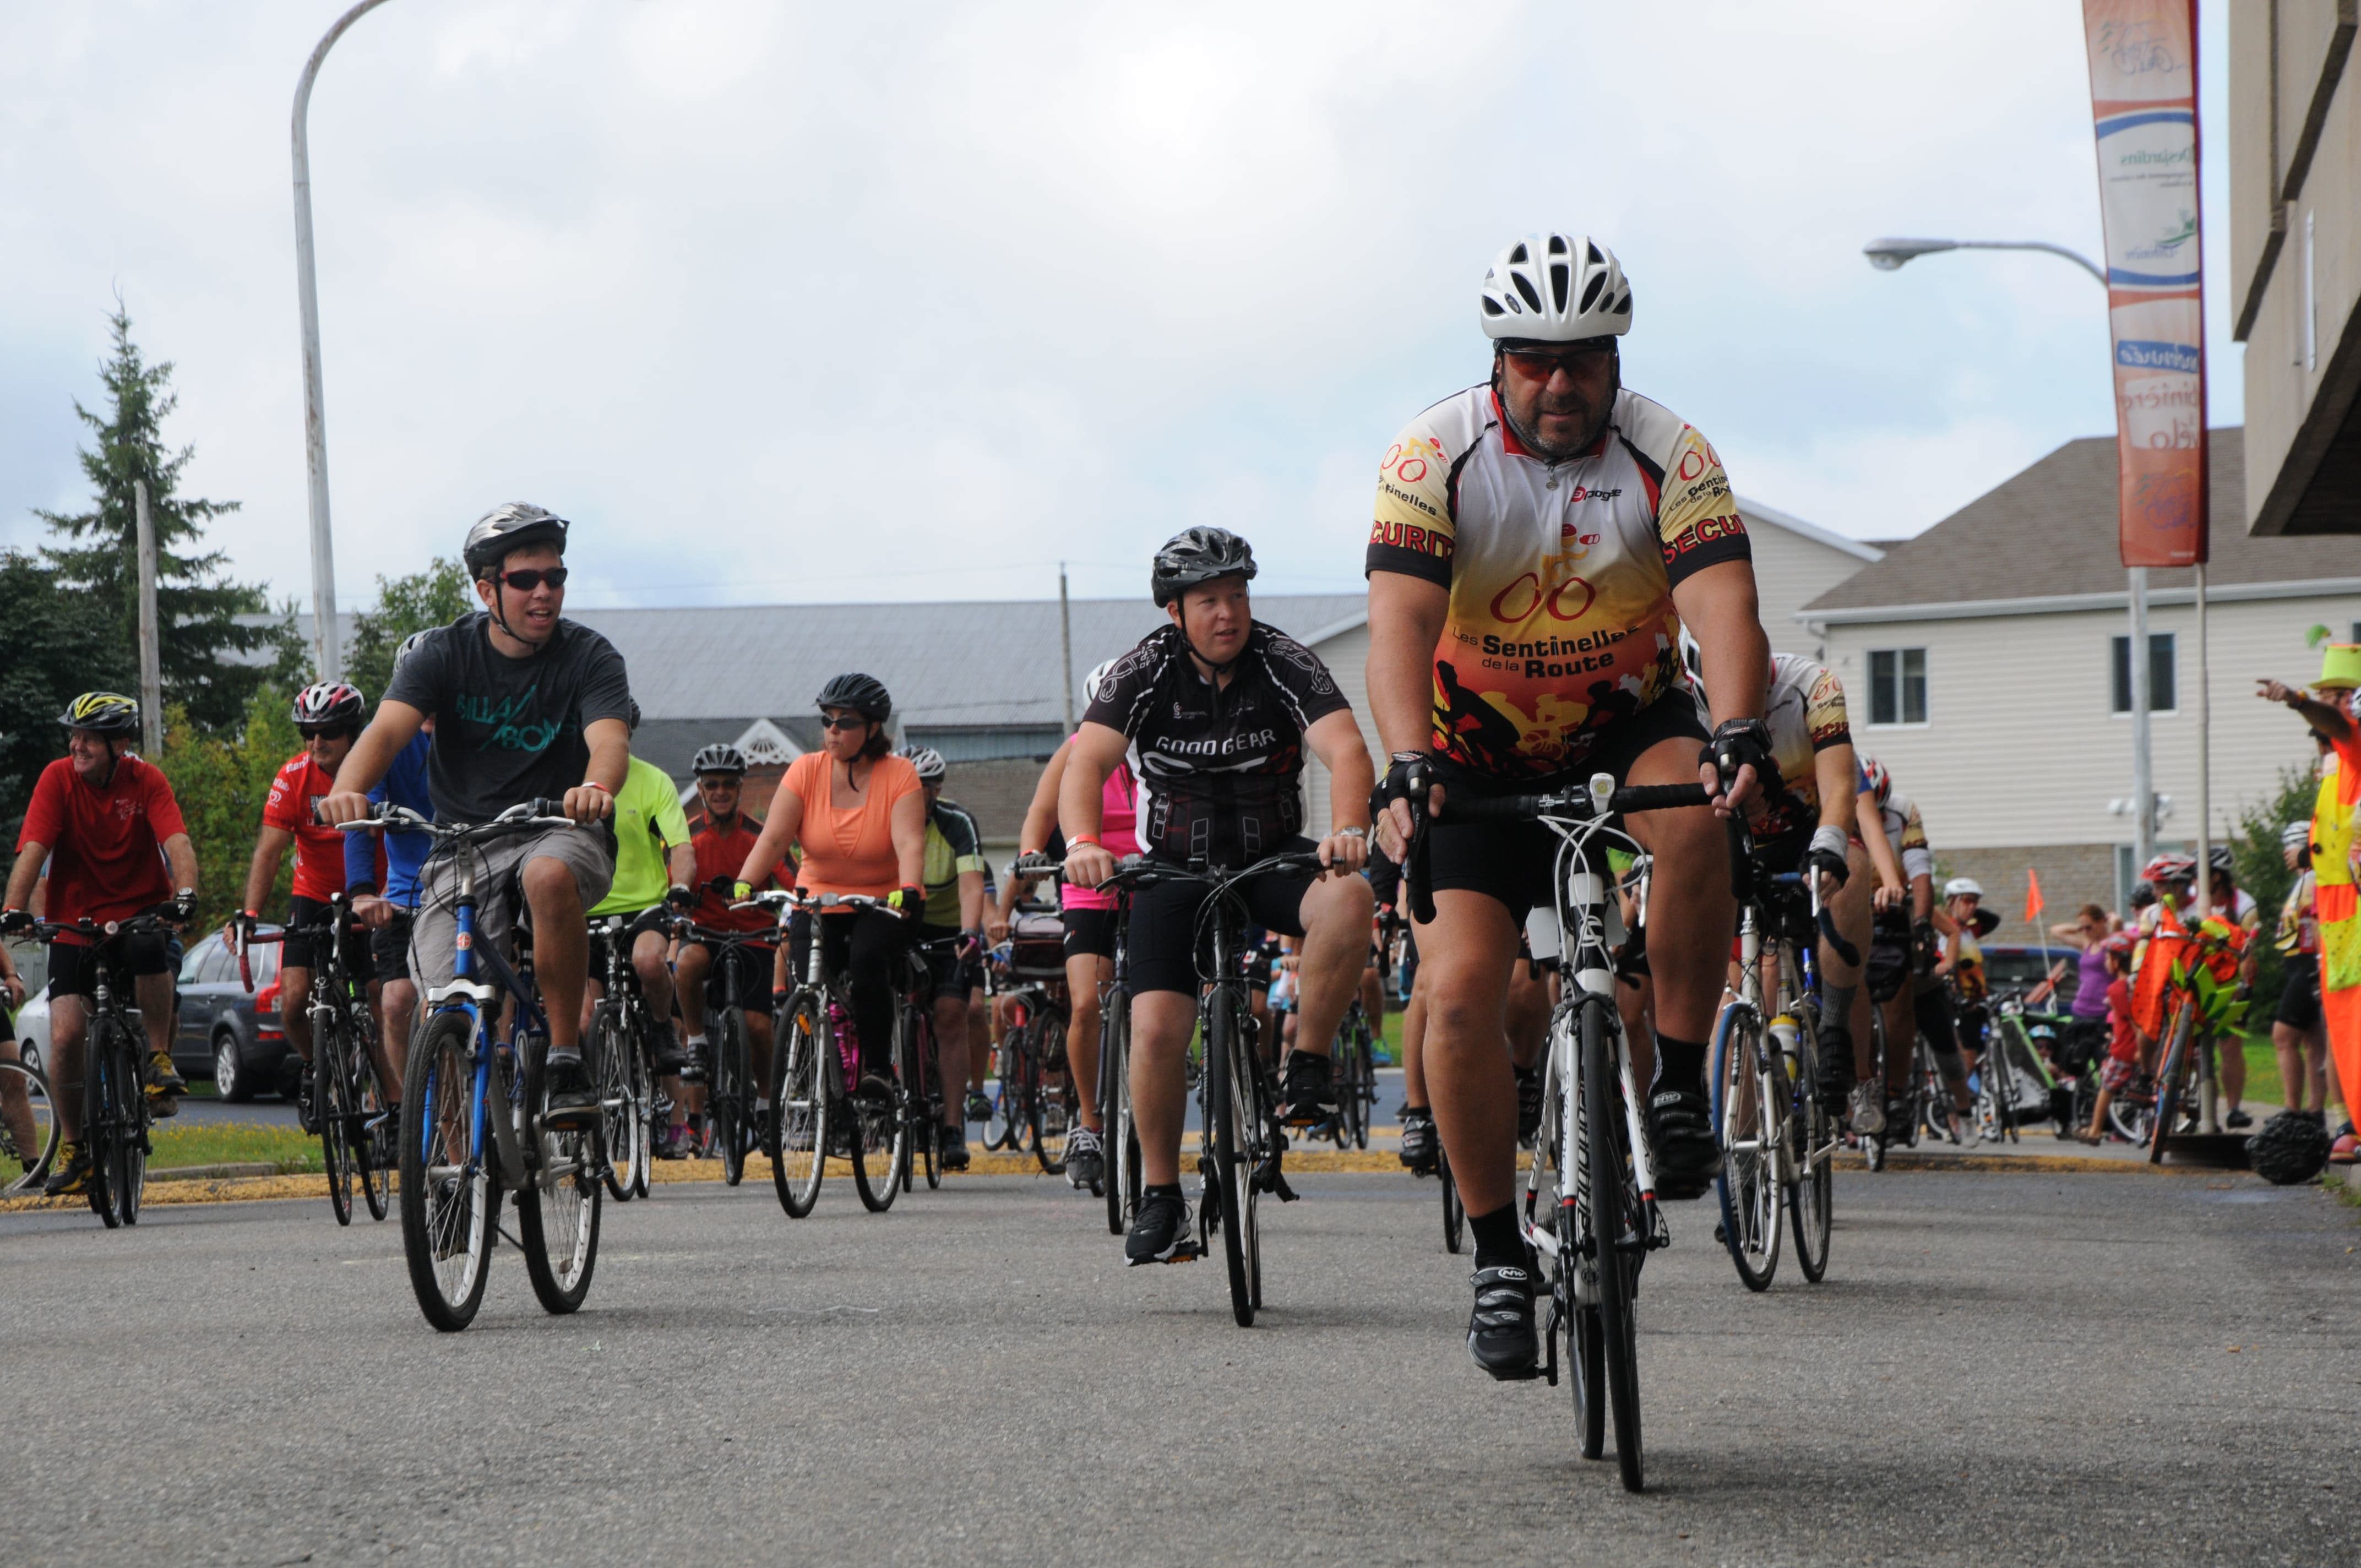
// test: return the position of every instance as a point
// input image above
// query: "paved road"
(2001, 1369)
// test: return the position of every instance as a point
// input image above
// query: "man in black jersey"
(1220, 708)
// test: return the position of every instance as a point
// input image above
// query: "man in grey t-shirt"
(526, 706)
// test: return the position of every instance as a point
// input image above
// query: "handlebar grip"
(1657, 797)
(1494, 808)
(544, 806)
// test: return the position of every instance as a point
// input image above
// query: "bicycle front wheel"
(1744, 1116)
(622, 1104)
(881, 1141)
(1230, 1181)
(332, 1103)
(1050, 1112)
(28, 1128)
(1812, 1135)
(104, 1129)
(732, 1102)
(1114, 1112)
(1616, 1234)
(447, 1227)
(557, 1215)
(797, 1129)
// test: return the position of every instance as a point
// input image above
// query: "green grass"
(233, 1143)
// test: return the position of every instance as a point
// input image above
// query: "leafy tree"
(436, 597)
(221, 780)
(211, 663)
(55, 651)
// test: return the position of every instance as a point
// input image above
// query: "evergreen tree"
(55, 650)
(436, 597)
(212, 664)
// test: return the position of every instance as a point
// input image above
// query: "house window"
(2163, 696)
(1897, 685)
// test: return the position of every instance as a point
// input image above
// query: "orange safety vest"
(2333, 813)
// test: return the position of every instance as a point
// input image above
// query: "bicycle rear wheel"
(28, 1128)
(1050, 1111)
(557, 1215)
(797, 1129)
(448, 1225)
(1454, 1212)
(1615, 1231)
(1001, 1126)
(733, 1105)
(1114, 1111)
(1365, 1082)
(1231, 1178)
(332, 1088)
(622, 1085)
(1743, 1114)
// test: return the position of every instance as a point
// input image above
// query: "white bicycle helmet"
(1557, 288)
(928, 761)
(1963, 887)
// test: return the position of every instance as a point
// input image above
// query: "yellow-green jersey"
(953, 845)
(648, 823)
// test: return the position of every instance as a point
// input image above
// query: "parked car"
(229, 1034)
(2013, 967)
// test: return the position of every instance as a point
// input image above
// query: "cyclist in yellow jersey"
(952, 930)
(1538, 544)
(653, 869)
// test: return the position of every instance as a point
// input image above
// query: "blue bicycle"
(473, 1114)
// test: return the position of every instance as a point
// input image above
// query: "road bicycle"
(1589, 1214)
(1779, 1141)
(354, 1142)
(821, 1101)
(1353, 1058)
(116, 1115)
(918, 1063)
(624, 1034)
(1036, 1091)
(28, 1128)
(730, 1077)
(475, 1121)
(1243, 1144)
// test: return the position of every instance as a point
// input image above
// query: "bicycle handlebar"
(537, 813)
(1577, 802)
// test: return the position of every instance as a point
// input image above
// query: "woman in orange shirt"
(858, 815)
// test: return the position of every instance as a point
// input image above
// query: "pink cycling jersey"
(1118, 817)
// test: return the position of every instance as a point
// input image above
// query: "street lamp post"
(328, 653)
(1890, 254)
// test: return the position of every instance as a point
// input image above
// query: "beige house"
(1986, 662)
(2295, 263)
(1795, 563)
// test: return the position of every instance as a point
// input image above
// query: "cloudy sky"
(793, 302)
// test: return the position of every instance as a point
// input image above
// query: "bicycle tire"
(1114, 1111)
(1051, 1114)
(332, 1103)
(1613, 1211)
(448, 1222)
(1811, 1197)
(1365, 1067)
(1454, 1212)
(99, 1117)
(881, 1144)
(730, 1103)
(797, 1129)
(924, 1125)
(1226, 1181)
(620, 1123)
(999, 1124)
(376, 1179)
(36, 1151)
(129, 1178)
(1748, 1187)
(2168, 1083)
(557, 1215)
(1585, 1342)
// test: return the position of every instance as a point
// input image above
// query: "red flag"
(2033, 905)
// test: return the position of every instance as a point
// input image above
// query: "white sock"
(696, 1040)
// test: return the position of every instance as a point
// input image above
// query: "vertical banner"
(2144, 102)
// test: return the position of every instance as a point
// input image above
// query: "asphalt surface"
(2000, 1369)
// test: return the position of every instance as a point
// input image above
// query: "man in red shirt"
(723, 838)
(328, 716)
(108, 826)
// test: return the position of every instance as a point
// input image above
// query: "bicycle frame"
(470, 996)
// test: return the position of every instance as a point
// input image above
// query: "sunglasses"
(526, 581)
(1541, 366)
(719, 781)
(331, 734)
(850, 721)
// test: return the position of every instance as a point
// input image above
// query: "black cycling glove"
(680, 899)
(1407, 777)
(14, 920)
(184, 906)
(1741, 743)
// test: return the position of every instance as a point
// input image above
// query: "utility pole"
(2143, 770)
(328, 654)
(151, 653)
(1066, 644)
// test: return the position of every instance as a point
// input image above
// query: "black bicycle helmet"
(1198, 555)
(2291, 1147)
(101, 713)
(865, 694)
(507, 528)
(719, 758)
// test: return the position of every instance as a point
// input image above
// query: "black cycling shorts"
(73, 968)
(1163, 954)
(1512, 862)
(1089, 933)
(634, 922)
(953, 976)
(1932, 1009)
(2299, 997)
(390, 948)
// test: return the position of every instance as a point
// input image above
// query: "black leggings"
(862, 946)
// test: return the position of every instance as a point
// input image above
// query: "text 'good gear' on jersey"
(1219, 767)
(1805, 712)
(1561, 574)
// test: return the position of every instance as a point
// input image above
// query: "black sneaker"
(1688, 1155)
(385, 1146)
(1310, 1095)
(565, 1090)
(671, 1060)
(954, 1148)
(1418, 1140)
(1529, 1103)
(1085, 1159)
(978, 1108)
(1158, 1230)
(1500, 1332)
(2237, 1118)
(306, 1111)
